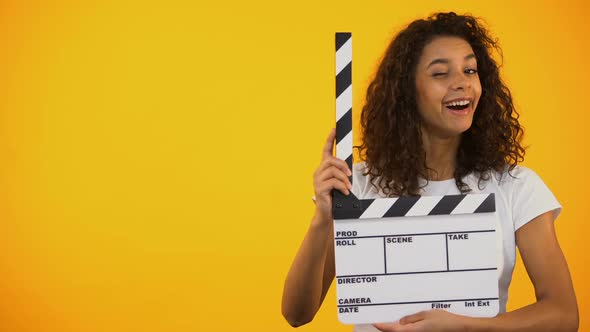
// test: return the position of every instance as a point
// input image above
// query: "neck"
(441, 155)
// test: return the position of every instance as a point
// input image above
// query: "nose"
(460, 81)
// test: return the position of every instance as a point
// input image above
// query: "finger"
(389, 327)
(413, 318)
(333, 161)
(385, 327)
(336, 173)
(397, 327)
(328, 186)
(329, 146)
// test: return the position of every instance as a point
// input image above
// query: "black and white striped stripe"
(407, 206)
(344, 97)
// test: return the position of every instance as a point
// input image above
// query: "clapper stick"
(344, 207)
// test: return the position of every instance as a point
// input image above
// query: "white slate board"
(390, 267)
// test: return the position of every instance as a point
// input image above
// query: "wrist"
(321, 220)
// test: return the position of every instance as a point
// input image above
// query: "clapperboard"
(399, 256)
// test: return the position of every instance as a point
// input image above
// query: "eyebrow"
(446, 61)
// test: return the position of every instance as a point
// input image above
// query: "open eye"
(470, 71)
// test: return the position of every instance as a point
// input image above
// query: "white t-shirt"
(519, 199)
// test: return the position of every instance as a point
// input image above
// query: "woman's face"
(447, 86)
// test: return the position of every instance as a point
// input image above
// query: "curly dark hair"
(392, 144)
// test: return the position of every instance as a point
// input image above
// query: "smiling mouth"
(460, 107)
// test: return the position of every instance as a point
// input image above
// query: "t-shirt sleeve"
(531, 197)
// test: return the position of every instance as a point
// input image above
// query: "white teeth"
(458, 103)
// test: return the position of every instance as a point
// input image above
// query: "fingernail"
(349, 172)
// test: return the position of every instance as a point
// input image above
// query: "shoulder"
(526, 193)
(517, 180)
(522, 173)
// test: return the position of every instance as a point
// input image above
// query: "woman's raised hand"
(332, 174)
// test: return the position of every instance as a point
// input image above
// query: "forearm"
(544, 315)
(302, 293)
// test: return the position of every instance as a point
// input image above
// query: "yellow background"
(156, 157)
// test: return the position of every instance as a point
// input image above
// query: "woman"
(439, 120)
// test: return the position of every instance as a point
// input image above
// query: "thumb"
(412, 318)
